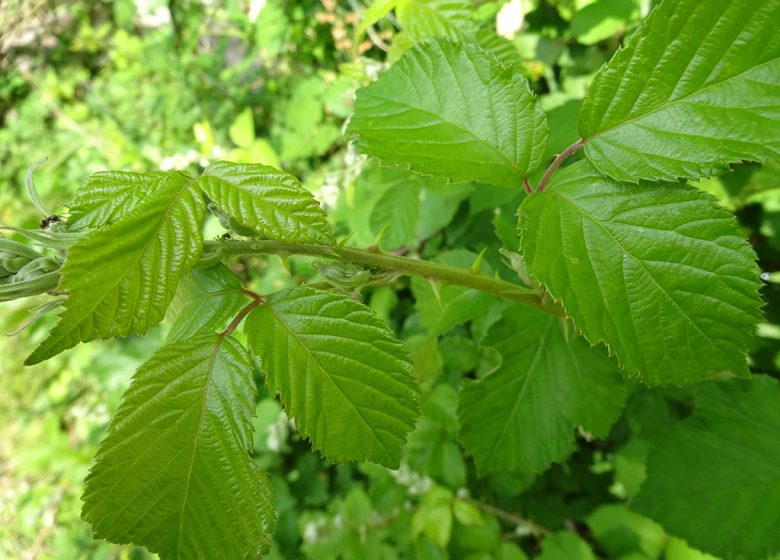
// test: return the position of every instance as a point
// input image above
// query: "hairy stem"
(383, 261)
(557, 162)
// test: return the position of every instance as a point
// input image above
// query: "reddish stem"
(557, 162)
(527, 186)
(257, 300)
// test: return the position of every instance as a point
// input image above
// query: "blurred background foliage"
(149, 84)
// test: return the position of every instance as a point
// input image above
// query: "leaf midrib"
(665, 106)
(514, 166)
(640, 263)
(327, 376)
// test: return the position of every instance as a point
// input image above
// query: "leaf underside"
(339, 371)
(452, 110)
(714, 479)
(267, 201)
(658, 272)
(692, 91)
(522, 416)
(121, 278)
(173, 473)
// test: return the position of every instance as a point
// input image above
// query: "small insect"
(46, 222)
(226, 236)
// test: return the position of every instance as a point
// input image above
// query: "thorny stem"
(383, 261)
(557, 162)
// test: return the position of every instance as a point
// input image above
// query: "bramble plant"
(624, 272)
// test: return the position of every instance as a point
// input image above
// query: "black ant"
(227, 236)
(46, 222)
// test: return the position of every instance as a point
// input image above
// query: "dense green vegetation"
(145, 86)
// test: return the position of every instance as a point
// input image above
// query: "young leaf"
(340, 373)
(522, 416)
(714, 479)
(205, 301)
(173, 473)
(121, 278)
(658, 272)
(693, 90)
(270, 202)
(452, 110)
(107, 196)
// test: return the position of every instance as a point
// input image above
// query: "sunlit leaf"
(120, 278)
(692, 91)
(269, 202)
(173, 473)
(658, 272)
(339, 371)
(452, 110)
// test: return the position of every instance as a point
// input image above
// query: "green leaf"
(376, 11)
(565, 545)
(395, 215)
(121, 278)
(452, 110)
(422, 20)
(621, 532)
(269, 202)
(445, 306)
(107, 196)
(522, 416)
(658, 272)
(242, 131)
(714, 479)
(205, 301)
(173, 473)
(601, 20)
(340, 373)
(692, 91)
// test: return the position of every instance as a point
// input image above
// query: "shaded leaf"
(396, 214)
(522, 416)
(339, 371)
(173, 473)
(658, 272)
(713, 480)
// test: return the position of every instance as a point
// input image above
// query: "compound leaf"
(173, 473)
(658, 272)
(109, 195)
(121, 278)
(452, 110)
(713, 480)
(692, 91)
(522, 416)
(267, 201)
(205, 301)
(340, 373)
